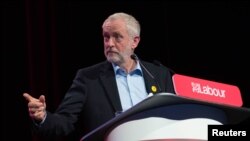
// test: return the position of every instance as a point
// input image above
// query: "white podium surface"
(163, 124)
(162, 129)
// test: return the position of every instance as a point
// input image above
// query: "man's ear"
(136, 41)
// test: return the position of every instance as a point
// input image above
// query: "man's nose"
(111, 42)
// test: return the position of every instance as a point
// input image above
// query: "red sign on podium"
(206, 90)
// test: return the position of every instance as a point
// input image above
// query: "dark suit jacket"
(93, 99)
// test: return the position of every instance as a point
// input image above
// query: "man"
(100, 91)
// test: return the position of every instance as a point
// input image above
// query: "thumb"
(42, 99)
(28, 97)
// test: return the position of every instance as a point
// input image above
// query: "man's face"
(118, 45)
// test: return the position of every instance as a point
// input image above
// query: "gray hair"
(133, 26)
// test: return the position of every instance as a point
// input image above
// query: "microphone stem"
(150, 74)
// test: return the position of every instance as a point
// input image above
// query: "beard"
(115, 57)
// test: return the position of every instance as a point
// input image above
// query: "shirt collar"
(119, 71)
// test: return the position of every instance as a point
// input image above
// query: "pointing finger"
(28, 97)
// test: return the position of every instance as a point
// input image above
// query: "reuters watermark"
(240, 132)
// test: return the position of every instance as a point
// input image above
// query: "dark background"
(44, 42)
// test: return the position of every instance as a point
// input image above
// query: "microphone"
(153, 88)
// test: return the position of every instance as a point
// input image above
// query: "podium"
(166, 116)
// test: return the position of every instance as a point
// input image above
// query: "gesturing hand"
(37, 107)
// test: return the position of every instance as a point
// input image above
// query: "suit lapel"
(107, 78)
(149, 82)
